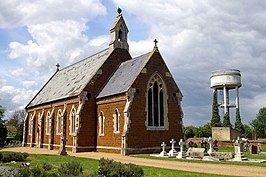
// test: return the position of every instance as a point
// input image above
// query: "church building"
(108, 102)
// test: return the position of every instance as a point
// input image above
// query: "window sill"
(157, 128)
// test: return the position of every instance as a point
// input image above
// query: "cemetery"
(207, 152)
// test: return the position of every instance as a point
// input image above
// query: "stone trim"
(31, 128)
(25, 126)
(40, 125)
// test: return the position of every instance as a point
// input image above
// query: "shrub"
(71, 169)
(37, 172)
(111, 168)
(47, 166)
(24, 172)
(14, 156)
(1, 156)
(9, 171)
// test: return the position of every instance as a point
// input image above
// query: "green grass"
(90, 166)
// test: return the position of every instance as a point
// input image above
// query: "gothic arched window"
(48, 123)
(59, 119)
(120, 35)
(72, 118)
(116, 121)
(156, 103)
(101, 124)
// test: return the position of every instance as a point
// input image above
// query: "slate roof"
(71, 80)
(124, 76)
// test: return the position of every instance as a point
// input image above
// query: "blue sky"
(195, 38)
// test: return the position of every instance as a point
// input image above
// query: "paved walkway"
(233, 170)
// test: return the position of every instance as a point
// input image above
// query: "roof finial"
(57, 66)
(155, 43)
(119, 11)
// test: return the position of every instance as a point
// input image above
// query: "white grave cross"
(210, 145)
(163, 153)
(173, 143)
(181, 144)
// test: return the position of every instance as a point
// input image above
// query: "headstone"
(172, 152)
(239, 153)
(62, 149)
(210, 145)
(196, 152)
(163, 153)
(253, 149)
(182, 153)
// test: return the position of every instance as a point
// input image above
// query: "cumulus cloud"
(29, 84)
(27, 12)
(197, 37)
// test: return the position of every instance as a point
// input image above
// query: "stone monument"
(239, 153)
(182, 153)
(163, 153)
(210, 145)
(172, 152)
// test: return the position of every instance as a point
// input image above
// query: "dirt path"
(233, 170)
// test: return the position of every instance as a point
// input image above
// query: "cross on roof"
(155, 42)
(57, 66)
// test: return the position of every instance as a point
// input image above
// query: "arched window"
(59, 128)
(48, 123)
(72, 120)
(156, 103)
(120, 35)
(116, 121)
(101, 124)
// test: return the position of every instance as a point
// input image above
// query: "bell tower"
(119, 32)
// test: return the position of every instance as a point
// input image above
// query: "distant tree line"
(11, 129)
(257, 125)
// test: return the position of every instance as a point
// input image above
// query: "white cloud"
(100, 40)
(27, 12)
(29, 84)
(198, 37)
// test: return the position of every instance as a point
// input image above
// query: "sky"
(195, 38)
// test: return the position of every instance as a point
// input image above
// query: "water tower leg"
(226, 100)
(237, 97)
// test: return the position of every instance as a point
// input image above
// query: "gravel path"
(233, 170)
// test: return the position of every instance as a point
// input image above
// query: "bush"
(71, 169)
(111, 168)
(9, 171)
(1, 156)
(37, 172)
(24, 172)
(47, 166)
(14, 156)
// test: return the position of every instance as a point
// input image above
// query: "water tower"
(223, 81)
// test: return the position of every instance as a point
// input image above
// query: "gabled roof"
(124, 76)
(71, 80)
(119, 19)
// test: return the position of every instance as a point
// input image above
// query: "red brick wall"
(110, 139)
(139, 136)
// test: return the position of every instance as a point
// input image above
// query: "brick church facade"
(108, 102)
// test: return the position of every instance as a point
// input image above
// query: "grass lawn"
(90, 165)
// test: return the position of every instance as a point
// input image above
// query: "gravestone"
(163, 153)
(239, 152)
(196, 152)
(210, 145)
(172, 152)
(62, 149)
(182, 153)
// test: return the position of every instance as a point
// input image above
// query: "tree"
(259, 124)
(3, 129)
(215, 121)
(247, 131)
(238, 124)
(226, 122)
(190, 132)
(16, 120)
(205, 130)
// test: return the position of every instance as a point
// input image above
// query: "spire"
(119, 32)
